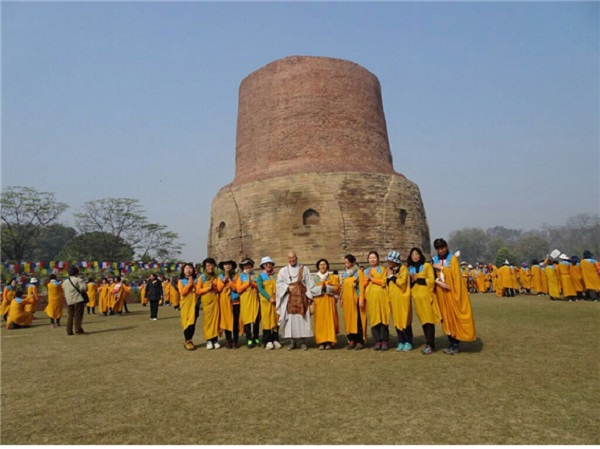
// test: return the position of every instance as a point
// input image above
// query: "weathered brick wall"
(357, 212)
(314, 170)
(308, 114)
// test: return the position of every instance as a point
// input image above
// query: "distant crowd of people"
(561, 278)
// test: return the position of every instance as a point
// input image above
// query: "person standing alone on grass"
(153, 294)
(73, 288)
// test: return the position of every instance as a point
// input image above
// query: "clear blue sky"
(492, 108)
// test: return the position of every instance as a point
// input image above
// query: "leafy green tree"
(93, 246)
(472, 243)
(50, 241)
(24, 211)
(503, 254)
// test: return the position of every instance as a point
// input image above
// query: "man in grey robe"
(295, 326)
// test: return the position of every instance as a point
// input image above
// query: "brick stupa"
(314, 169)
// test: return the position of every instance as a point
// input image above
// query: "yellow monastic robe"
(54, 309)
(18, 314)
(248, 291)
(487, 280)
(352, 293)
(544, 280)
(399, 296)
(8, 294)
(32, 292)
(425, 300)
(174, 295)
(525, 278)
(209, 295)
(143, 298)
(553, 281)
(225, 303)
(536, 279)
(187, 292)
(494, 277)
(589, 270)
(166, 291)
(577, 278)
(327, 323)
(111, 297)
(120, 297)
(566, 283)
(513, 278)
(376, 295)
(455, 304)
(503, 280)
(268, 312)
(92, 292)
(480, 280)
(105, 295)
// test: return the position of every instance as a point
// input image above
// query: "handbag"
(84, 295)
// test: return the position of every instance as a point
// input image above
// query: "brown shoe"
(80, 332)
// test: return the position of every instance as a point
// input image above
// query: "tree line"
(497, 244)
(106, 229)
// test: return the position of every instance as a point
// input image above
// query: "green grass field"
(533, 377)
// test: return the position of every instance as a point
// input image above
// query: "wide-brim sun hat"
(246, 261)
(265, 260)
(33, 281)
(394, 256)
(225, 262)
(563, 256)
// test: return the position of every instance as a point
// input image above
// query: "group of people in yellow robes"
(561, 278)
(239, 303)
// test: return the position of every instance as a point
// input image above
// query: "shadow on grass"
(441, 342)
(111, 330)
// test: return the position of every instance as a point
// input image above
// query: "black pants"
(189, 331)
(406, 335)
(358, 337)
(52, 321)
(234, 336)
(429, 332)
(380, 333)
(252, 329)
(453, 341)
(270, 335)
(75, 318)
(153, 309)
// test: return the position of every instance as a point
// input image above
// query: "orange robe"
(92, 292)
(209, 295)
(568, 288)
(8, 294)
(536, 279)
(577, 278)
(553, 281)
(54, 309)
(526, 278)
(18, 313)
(455, 304)
(326, 318)
(226, 289)
(589, 270)
(353, 293)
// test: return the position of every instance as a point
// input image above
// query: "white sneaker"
(217, 345)
(276, 344)
(209, 345)
(154, 319)
(269, 346)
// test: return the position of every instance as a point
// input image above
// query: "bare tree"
(124, 219)
(24, 212)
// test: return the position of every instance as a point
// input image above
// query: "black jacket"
(154, 290)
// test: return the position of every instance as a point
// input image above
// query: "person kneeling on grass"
(17, 315)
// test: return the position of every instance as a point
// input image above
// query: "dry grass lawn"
(531, 378)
